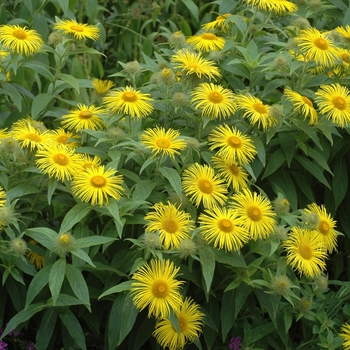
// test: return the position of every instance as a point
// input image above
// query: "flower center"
(163, 143)
(208, 36)
(321, 43)
(323, 227)
(65, 238)
(215, 97)
(85, 115)
(205, 186)
(234, 141)
(98, 181)
(160, 289)
(307, 101)
(339, 102)
(33, 137)
(259, 107)
(77, 28)
(87, 165)
(62, 139)
(225, 225)
(254, 213)
(305, 251)
(234, 169)
(345, 57)
(182, 323)
(61, 159)
(170, 225)
(19, 34)
(129, 96)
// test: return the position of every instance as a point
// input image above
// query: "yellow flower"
(34, 257)
(219, 23)
(66, 138)
(102, 86)
(256, 111)
(214, 100)
(172, 224)
(190, 320)
(343, 67)
(154, 285)
(80, 31)
(315, 45)
(222, 227)
(193, 63)
(280, 7)
(58, 161)
(344, 31)
(325, 226)
(88, 162)
(232, 173)
(234, 147)
(334, 101)
(202, 185)
(129, 101)
(96, 185)
(305, 252)
(164, 142)
(84, 117)
(302, 104)
(255, 212)
(345, 334)
(206, 42)
(30, 137)
(3, 197)
(20, 40)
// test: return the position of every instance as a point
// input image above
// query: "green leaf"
(234, 259)
(117, 289)
(79, 253)
(193, 8)
(70, 80)
(75, 215)
(207, 259)
(319, 158)
(43, 235)
(56, 277)
(51, 187)
(143, 189)
(21, 190)
(128, 317)
(40, 102)
(272, 86)
(340, 181)
(73, 327)
(90, 241)
(78, 284)
(46, 329)
(10, 90)
(227, 314)
(275, 161)
(309, 130)
(174, 179)
(287, 143)
(174, 322)
(37, 284)
(22, 316)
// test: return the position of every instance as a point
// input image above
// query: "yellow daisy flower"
(234, 147)
(325, 226)
(206, 42)
(223, 227)
(129, 101)
(84, 117)
(344, 31)
(79, 31)
(154, 285)
(214, 100)
(66, 138)
(345, 334)
(334, 101)
(164, 142)
(343, 67)
(302, 104)
(102, 86)
(256, 111)
(88, 162)
(3, 197)
(194, 63)
(172, 224)
(34, 257)
(280, 7)
(219, 23)
(4, 134)
(315, 45)
(58, 161)
(234, 174)
(20, 40)
(30, 137)
(95, 185)
(255, 212)
(202, 186)
(305, 252)
(190, 320)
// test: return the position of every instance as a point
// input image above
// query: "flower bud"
(179, 99)
(177, 40)
(132, 68)
(321, 283)
(187, 248)
(150, 240)
(281, 284)
(281, 205)
(64, 243)
(18, 246)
